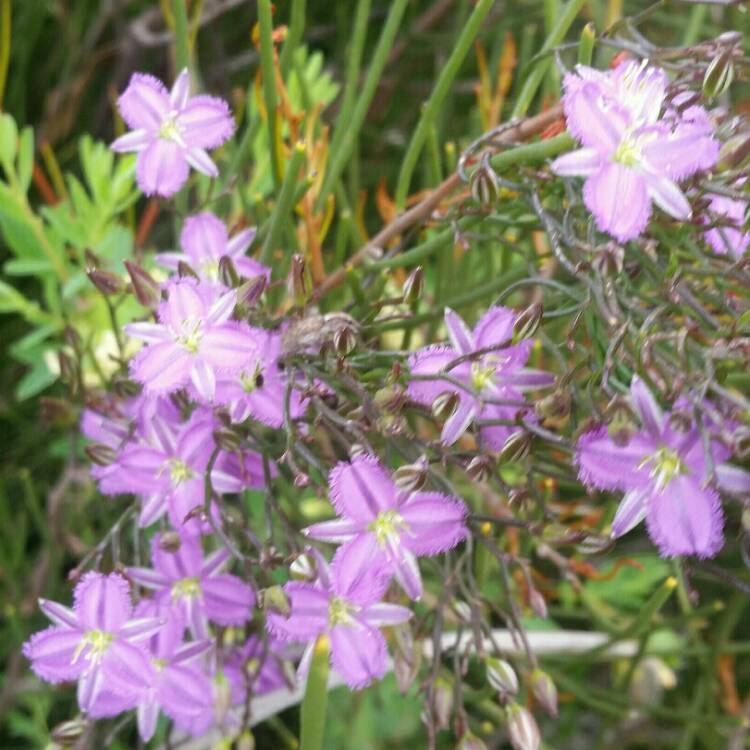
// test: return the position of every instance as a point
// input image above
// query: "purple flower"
(205, 242)
(488, 384)
(632, 154)
(343, 603)
(95, 644)
(171, 131)
(192, 342)
(728, 238)
(196, 587)
(262, 660)
(257, 388)
(663, 474)
(385, 527)
(175, 685)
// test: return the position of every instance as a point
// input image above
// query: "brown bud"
(485, 184)
(445, 405)
(228, 439)
(68, 733)
(101, 455)
(544, 691)
(502, 676)
(413, 286)
(344, 340)
(170, 541)
(105, 281)
(299, 282)
(411, 477)
(251, 291)
(185, 270)
(442, 702)
(527, 322)
(228, 273)
(516, 447)
(719, 74)
(469, 741)
(480, 468)
(609, 259)
(522, 728)
(91, 260)
(68, 370)
(555, 406)
(145, 287)
(302, 568)
(538, 603)
(125, 388)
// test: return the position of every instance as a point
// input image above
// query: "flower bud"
(413, 286)
(719, 74)
(302, 568)
(251, 291)
(344, 340)
(125, 388)
(299, 282)
(556, 406)
(485, 184)
(480, 468)
(516, 447)
(68, 733)
(101, 455)
(273, 599)
(609, 260)
(445, 405)
(245, 741)
(145, 287)
(406, 657)
(228, 273)
(106, 282)
(469, 741)
(411, 477)
(741, 442)
(501, 676)
(68, 370)
(544, 691)
(228, 439)
(527, 322)
(170, 541)
(357, 449)
(222, 697)
(538, 603)
(621, 428)
(442, 701)
(185, 270)
(523, 731)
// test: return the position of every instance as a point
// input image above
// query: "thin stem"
(315, 702)
(265, 22)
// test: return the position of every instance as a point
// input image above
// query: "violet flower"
(632, 155)
(196, 586)
(729, 239)
(171, 131)
(205, 241)
(175, 685)
(482, 382)
(192, 342)
(663, 473)
(345, 604)
(383, 526)
(96, 643)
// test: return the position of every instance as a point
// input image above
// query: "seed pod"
(544, 691)
(522, 728)
(502, 676)
(170, 541)
(106, 282)
(445, 405)
(527, 322)
(469, 741)
(516, 447)
(145, 287)
(228, 273)
(442, 701)
(485, 184)
(719, 74)
(411, 477)
(413, 286)
(101, 455)
(68, 733)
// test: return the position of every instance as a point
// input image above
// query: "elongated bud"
(145, 287)
(344, 340)
(523, 731)
(273, 599)
(411, 477)
(501, 676)
(413, 286)
(185, 270)
(516, 447)
(68, 370)
(538, 603)
(445, 405)
(299, 284)
(719, 74)
(251, 291)
(72, 338)
(406, 657)
(302, 568)
(469, 741)
(480, 468)
(222, 697)
(554, 406)
(485, 184)
(610, 259)
(544, 691)
(734, 152)
(228, 439)
(621, 427)
(125, 388)
(68, 733)
(442, 701)
(228, 273)
(170, 541)
(105, 281)
(741, 442)
(586, 45)
(527, 322)
(91, 260)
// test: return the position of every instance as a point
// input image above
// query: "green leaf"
(12, 301)
(35, 381)
(28, 267)
(8, 140)
(25, 158)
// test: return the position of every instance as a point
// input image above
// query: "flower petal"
(668, 196)
(309, 613)
(52, 654)
(228, 600)
(206, 122)
(435, 522)
(145, 103)
(646, 407)
(361, 489)
(162, 368)
(204, 237)
(161, 168)
(458, 332)
(358, 654)
(630, 512)
(135, 140)
(604, 464)
(178, 96)
(579, 163)
(459, 421)
(336, 531)
(102, 602)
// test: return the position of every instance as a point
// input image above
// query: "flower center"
(170, 130)
(340, 612)
(190, 335)
(98, 642)
(250, 382)
(186, 588)
(179, 471)
(387, 527)
(666, 464)
(159, 664)
(482, 376)
(628, 154)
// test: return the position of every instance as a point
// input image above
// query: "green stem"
(314, 704)
(586, 45)
(5, 26)
(431, 109)
(293, 37)
(284, 204)
(532, 152)
(534, 79)
(269, 83)
(379, 58)
(181, 35)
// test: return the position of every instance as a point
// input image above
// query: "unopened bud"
(390, 398)
(719, 74)
(344, 340)
(469, 741)
(101, 455)
(538, 603)
(555, 406)
(527, 322)
(501, 676)
(125, 388)
(413, 286)
(68, 370)
(609, 260)
(442, 701)
(516, 447)
(411, 477)
(105, 281)
(485, 184)
(91, 260)
(302, 568)
(170, 541)
(734, 152)
(222, 697)
(246, 741)
(145, 287)
(445, 405)
(357, 449)
(299, 283)
(251, 291)
(544, 691)
(72, 338)
(741, 442)
(621, 428)
(301, 480)
(68, 733)
(523, 731)
(480, 468)
(680, 420)
(228, 273)
(273, 599)
(185, 270)
(228, 439)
